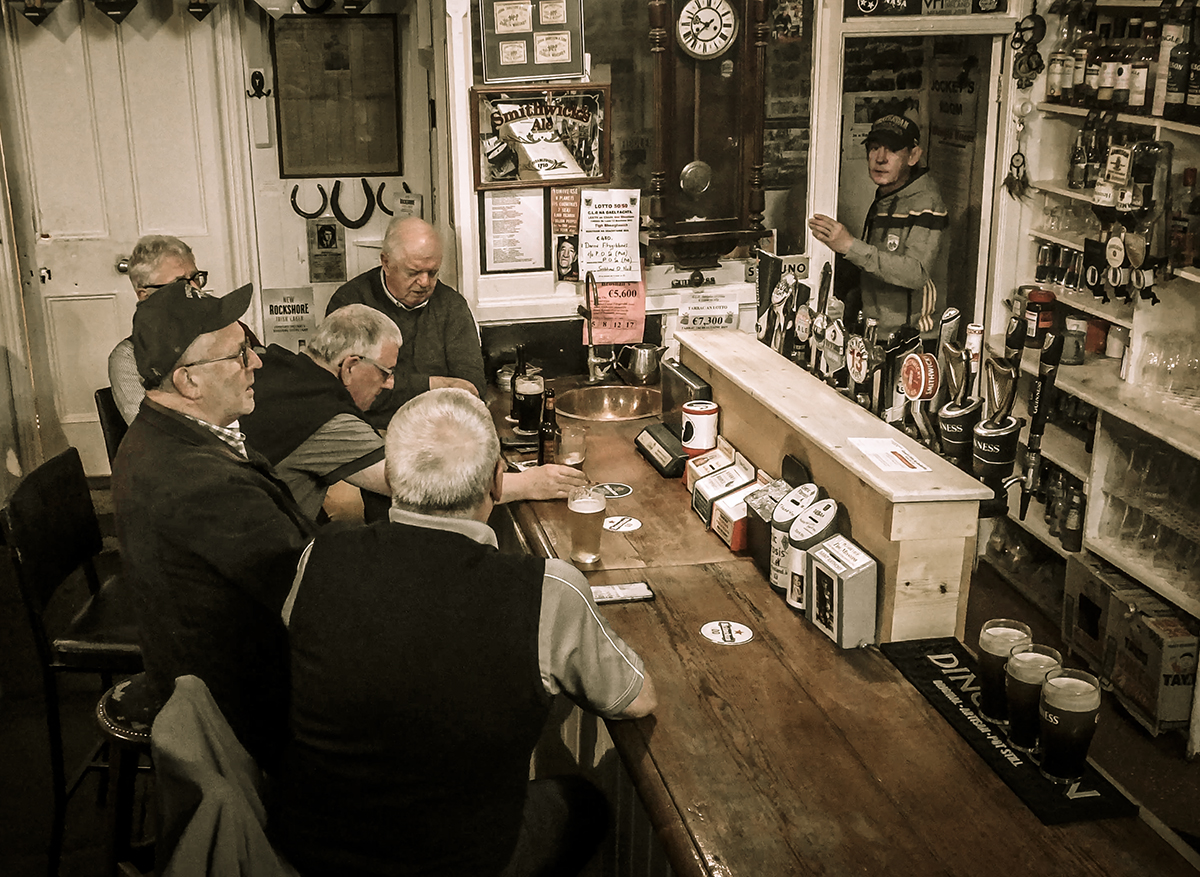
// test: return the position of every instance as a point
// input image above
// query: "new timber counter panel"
(919, 526)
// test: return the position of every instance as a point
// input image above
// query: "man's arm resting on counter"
(644, 703)
(551, 481)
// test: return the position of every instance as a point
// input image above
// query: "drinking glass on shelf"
(1139, 462)
(1116, 470)
(1170, 552)
(1110, 521)
(1174, 360)
(1150, 362)
(1131, 525)
(1160, 471)
(1149, 537)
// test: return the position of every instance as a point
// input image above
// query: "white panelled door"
(122, 133)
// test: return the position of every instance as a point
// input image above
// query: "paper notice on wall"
(288, 318)
(708, 310)
(619, 317)
(514, 236)
(608, 234)
(564, 210)
(889, 455)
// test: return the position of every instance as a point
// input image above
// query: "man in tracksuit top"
(901, 257)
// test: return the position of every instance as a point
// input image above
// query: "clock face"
(706, 28)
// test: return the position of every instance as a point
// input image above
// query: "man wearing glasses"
(156, 260)
(310, 419)
(209, 535)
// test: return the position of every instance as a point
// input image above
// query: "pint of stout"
(1070, 708)
(996, 639)
(585, 514)
(1026, 671)
(527, 400)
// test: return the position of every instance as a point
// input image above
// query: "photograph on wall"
(540, 135)
(524, 41)
(327, 75)
(566, 257)
(326, 238)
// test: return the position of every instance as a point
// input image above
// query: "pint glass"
(572, 449)
(527, 399)
(1070, 708)
(996, 639)
(585, 513)
(1026, 671)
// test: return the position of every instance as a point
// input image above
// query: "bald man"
(440, 339)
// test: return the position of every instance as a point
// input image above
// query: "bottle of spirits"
(1083, 47)
(1103, 34)
(1077, 164)
(1097, 149)
(1178, 72)
(1126, 49)
(1110, 59)
(1060, 66)
(1142, 73)
(548, 432)
(1173, 33)
(1191, 113)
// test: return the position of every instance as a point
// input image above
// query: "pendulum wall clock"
(706, 194)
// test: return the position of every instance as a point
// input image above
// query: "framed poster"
(524, 40)
(514, 226)
(338, 75)
(540, 135)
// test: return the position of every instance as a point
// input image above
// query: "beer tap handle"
(1039, 408)
(1001, 386)
(957, 362)
(1014, 339)
(951, 317)
(818, 320)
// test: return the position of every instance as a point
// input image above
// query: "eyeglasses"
(196, 278)
(242, 353)
(387, 372)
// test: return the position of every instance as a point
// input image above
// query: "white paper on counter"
(889, 455)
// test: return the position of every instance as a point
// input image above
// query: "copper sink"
(609, 402)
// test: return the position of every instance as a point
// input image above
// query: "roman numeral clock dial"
(706, 193)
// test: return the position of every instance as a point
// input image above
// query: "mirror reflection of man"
(901, 258)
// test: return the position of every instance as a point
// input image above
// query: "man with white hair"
(209, 536)
(310, 419)
(424, 663)
(441, 340)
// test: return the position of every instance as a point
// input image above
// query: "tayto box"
(1096, 598)
(1155, 670)
(712, 487)
(730, 517)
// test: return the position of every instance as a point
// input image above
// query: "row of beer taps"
(935, 405)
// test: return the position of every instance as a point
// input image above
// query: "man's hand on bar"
(551, 481)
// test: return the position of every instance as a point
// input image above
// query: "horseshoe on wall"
(319, 210)
(379, 199)
(341, 217)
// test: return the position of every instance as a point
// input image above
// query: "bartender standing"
(901, 258)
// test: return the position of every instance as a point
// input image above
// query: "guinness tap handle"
(957, 365)
(1001, 388)
(1014, 339)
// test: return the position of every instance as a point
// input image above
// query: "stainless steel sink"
(609, 402)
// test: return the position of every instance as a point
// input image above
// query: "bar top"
(826, 417)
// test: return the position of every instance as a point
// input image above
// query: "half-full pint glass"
(585, 512)
(1070, 708)
(1025, 673)
(996, 639)
(527, 399)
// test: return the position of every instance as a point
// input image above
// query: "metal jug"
(637, 364)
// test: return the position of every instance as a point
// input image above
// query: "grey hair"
(394, 237)
(442, 451)
(149, 251)
(355, 329)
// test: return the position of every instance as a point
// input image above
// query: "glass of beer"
(572, 449)
(1070, 709)
(996, 640)
(1025, 673)
(527, 399)
(585, 512)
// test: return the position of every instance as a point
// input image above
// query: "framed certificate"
(524, 40)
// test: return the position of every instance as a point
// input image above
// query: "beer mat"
(944, 672)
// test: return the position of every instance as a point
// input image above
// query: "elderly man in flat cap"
(209, 535)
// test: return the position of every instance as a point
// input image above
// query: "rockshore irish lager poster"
(288, 318)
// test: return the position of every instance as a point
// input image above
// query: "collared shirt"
(228, 434)
(398, 303)
(578, 653)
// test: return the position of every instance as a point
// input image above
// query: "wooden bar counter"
(787, 755)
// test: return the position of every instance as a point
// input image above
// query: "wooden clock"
(706, 194)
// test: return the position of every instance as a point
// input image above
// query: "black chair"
(112, 423)
(51, 533)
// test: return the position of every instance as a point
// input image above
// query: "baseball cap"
(167, 322)
(895, 132)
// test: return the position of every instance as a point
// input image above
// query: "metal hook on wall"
(337, 210)
(319, 210)
(257, 81)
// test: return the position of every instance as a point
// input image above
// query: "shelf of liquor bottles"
(1124, 118)
(1176, 420)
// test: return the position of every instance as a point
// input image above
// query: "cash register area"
(1152, 770)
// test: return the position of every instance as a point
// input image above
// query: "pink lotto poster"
(619, 317)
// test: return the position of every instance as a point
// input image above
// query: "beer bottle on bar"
(548, 433)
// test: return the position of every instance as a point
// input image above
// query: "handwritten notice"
(608, 234)
(514, 230)
(619, 317)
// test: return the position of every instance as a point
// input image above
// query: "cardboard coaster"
(622, 524)
(946, 674)
(615, 489)
(727, 633)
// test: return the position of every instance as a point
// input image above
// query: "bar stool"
(126, 713)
